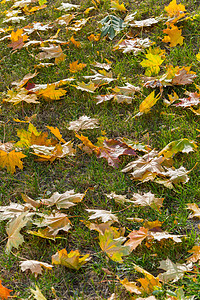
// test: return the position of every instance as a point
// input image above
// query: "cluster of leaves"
(155, 166)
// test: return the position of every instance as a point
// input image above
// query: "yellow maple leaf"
(116, 6)
(60, 58)
(174, 36)
(148, 102)
(154, 58)
(72, 260)
(57, 133)
(75, 66)
(174, 9)
(16, 97)
(11, 160)
(50, 93)
(94, 38)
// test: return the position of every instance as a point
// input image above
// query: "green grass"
(97, 278)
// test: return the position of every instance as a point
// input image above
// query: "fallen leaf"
(72, 260)
(148, 102)
(87, 87)
(182, 145)
(50, 93)
(4, 292)
(20, 95)
(154, 58)
(118, 7)
(15, 239)
(174, 36)
(147, 199)
(11, 160)
(113, 246)
(83, 123)
(55, 223)
(196, 210)
(174, 9)
(75, 66)
(136, 237)
(65, 200)
(183, 76)
(195, 254)
(173, 272)
(37, 294)
(104, 215)
(57, 133)
(35, 266)
(130, 286)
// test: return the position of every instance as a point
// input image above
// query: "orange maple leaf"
(11, 160)
(76, 43)
(174, 9)
(174, 36)
(75, 66)
(4, 292)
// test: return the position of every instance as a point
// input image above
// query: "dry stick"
(122, 209)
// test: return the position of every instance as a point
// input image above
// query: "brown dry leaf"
(195, 254)
(33, 203)
(35, 266)
(173, 272)
(72, 260)
(147, 199)
(196, 210)
(26, 78)
(135, 45)
(50, 153)
(83, 123)
(52, 52)
(193, 99)
(11, 160)
(136, 237)
(104, 215)
(15, 239)
(55, 223)
(121, 199)
(65, 200)
(103, 98)
(183, 76)
(105, 66)
(22, 94)
(146, 168)
(6, 146)
(158, 236)
(50, 93)
(75, 66)
(102, 77)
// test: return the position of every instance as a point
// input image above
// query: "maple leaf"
(154, 58)
(147, 199)
(182, 145)
(193, 99)
(68, 6)
(148, 103)
(17, 39)
(121, 199)
(13, 230)
(195, 254)
(35, 266)
(26, 78)
(6, 146)
(135, 45)
(118, 7)
(87, 87)
(101, 228)
(103, 214)
(196, 210)
(65, 200)
(57, 133)
(158, 236)
(183, 76)
(55, 223)
(52, 52)
(16, 97)
(33, 203)
(75, 66)
(94, 38)
(37, 293)
(173, 272)
(103, 98)
(4, 292)
(50, 93)
(72, 260)
(12, 211)
(113, 246)
(174, 9)
(10, 160)
(102, 77)
(174, 36)
(83, 123)
(136, 237)
(130, 286)
(145, 23)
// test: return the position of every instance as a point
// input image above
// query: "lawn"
(87, 88)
